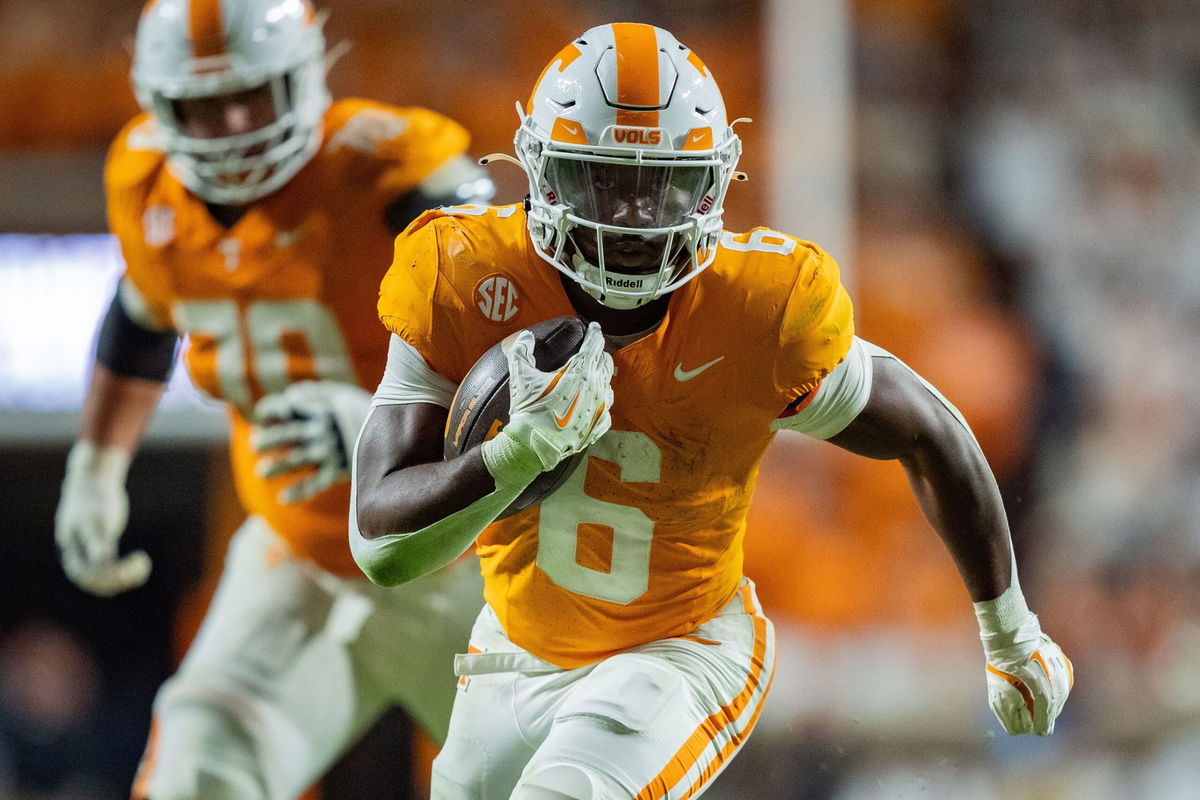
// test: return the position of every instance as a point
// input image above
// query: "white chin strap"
(624, 291)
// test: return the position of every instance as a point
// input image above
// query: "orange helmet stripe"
(206, 29)
(563, 59)
(637, 73)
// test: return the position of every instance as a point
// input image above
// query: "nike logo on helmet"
(683, 375)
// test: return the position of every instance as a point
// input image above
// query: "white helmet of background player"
(629, 155)
(210, 48)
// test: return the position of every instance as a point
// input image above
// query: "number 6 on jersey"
(568, 510)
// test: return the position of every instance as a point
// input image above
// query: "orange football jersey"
(285, 293)
(644, 541)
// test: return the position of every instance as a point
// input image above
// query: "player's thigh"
(485, 748)
(660, 721)
(267, 605)
(408, 645)
(267, 695)
(500, 715)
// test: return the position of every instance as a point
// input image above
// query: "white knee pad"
(559, 781)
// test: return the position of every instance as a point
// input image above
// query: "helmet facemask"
(628, 226)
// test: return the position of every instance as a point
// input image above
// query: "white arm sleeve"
(839, 399)
(844, 393)
(408, 379)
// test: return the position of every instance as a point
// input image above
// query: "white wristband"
(1004, 614)
(510, 462)
(1006, 622)
(106, 463)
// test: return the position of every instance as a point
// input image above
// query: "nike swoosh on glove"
(552, 415)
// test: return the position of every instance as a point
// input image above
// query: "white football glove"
(1028, 676)
(553, 415)
(92, 511)
(309, 426)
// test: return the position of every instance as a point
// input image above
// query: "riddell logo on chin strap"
(622, 283)
(637, 136)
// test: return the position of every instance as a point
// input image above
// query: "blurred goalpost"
(809, 109)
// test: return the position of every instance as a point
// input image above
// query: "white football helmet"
(210, 48)
(629, 155)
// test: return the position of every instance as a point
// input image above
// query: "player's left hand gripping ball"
(308, 429)
(1028, 683)
(557, 414)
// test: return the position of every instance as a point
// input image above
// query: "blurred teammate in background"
(256, 217)
(621, 652)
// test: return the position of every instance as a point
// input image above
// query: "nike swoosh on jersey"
(682, 374)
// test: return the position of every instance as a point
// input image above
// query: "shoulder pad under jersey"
(136, 154)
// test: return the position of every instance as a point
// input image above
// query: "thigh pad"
(629, 691)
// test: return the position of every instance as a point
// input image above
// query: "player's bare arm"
(950, 477)
(117, 408)
(900, 416)
(403, 485)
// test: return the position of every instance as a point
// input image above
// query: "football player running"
(256, 217)
(621, 652)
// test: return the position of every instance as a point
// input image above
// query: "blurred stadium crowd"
(1028, 238)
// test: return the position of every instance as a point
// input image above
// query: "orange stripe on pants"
(689, 754)
(141, 781)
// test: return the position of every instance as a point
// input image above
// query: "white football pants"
(293, 664)
(657, 721)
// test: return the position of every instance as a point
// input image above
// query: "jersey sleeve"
(133, 159)
(405, 144)
(841, 397)
(817, 326)
(417, 303)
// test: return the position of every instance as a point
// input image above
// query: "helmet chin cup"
(679, 128)
(613, 289)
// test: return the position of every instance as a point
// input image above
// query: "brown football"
(480, 406)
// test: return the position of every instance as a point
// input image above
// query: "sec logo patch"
(496, 297)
